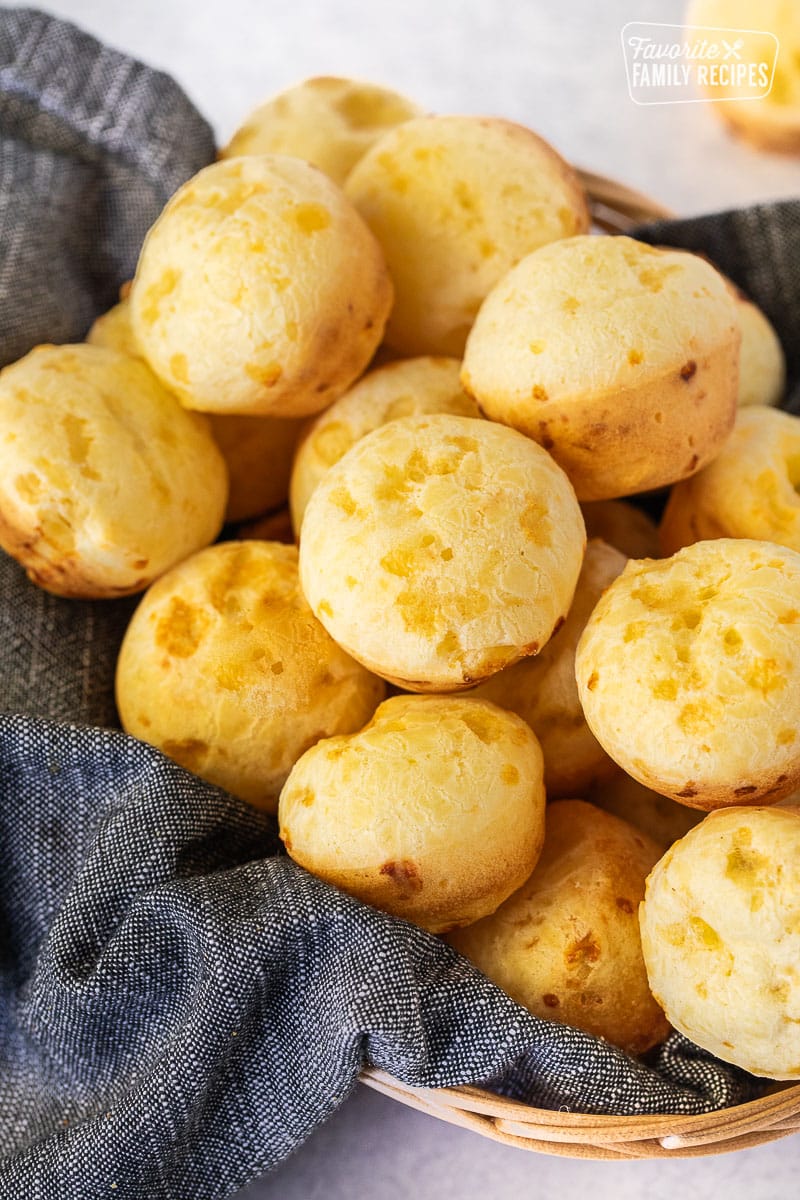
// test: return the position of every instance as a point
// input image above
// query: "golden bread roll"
(689, 672)
(566, 945)
(399, 389)
(773, 121)
(721, 937)
(257, 450)
(441, 549)
(455, 202)
(113, 329)
(433, 812)
(748, 491)
(762, 365)
(225, 668)
(259, 290)
(542, 690)
(618, 358)
(105, 481)
(623, 526)
(329, 122)
(662, 819)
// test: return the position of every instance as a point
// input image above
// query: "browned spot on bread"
(550, 1000)
(688, 370)
(689, 790)
(189, 752)
(405, 874)
(582, 952)
(624, 904)
(181, 629)
(746, 790)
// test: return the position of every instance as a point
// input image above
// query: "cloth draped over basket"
(181, 1005)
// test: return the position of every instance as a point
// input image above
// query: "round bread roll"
(441, 549)
(105, 481)
(225, 669)
(400, 389)
(543, 691)
(689, 672)
(620, 359)
(566, 945)
(762, 366)
(721, 938)
(623, 526)
(327, 121)
(433, 812)
(257, 450)
(662, 819)
(113, 330)
(259, 290)
(455, 202)
(748, 491)
(772, 122)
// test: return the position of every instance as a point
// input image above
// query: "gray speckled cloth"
(180, 1005)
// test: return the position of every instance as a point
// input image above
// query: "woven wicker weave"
(615, 209)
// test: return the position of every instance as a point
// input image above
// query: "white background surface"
(558, 67)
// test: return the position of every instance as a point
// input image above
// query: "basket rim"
(778, 1104)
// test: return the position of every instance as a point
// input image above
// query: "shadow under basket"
(615, 209)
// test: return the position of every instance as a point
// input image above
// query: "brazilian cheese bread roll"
(618, 358)
(762, 365)
(662, 819)
(566, 945)
(433, 812)
(225, 668)
(542, 690)
(455, 202)
(749, 490)
(771, 122)
(721, 937)
(328, 121)
(440, 549)
(399, 389)
(259, 290)
(105, 481)
(258, 451)
(623, 526)
(689, 672)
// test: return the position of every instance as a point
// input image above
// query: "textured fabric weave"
(180, 1005)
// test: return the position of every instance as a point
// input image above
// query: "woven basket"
(615, 209)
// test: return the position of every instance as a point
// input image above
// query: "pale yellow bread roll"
(689, 672)
(771, 122)
(259, 290)
(721, 938)
(455, 202)
(762, 365)
(618, 358)
(225, 668)
(749, 490)
(399, 389)
(623, 525)
(328, 121)
(433, 812)
(566, 945)
(441, 549)
(258, 451)
(105, 481)
(662, 819)
(542, 689)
